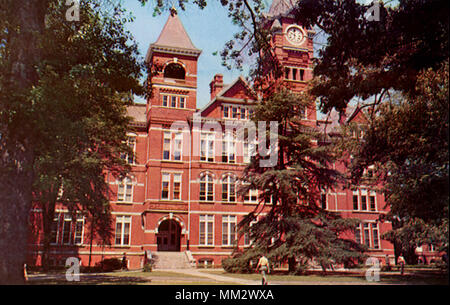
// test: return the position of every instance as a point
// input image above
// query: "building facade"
(182, 192)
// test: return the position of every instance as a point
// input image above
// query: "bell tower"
(173, 62)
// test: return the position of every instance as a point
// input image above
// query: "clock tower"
(293, 47)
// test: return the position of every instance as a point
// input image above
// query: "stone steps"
(170, 260)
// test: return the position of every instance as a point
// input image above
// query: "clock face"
(295, 35)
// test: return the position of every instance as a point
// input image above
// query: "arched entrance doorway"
(169, 236)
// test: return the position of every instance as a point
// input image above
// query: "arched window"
(206, 188)
(125, 190)
(229, 189)
(174, 70)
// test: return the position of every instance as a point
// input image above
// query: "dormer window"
(174, 71)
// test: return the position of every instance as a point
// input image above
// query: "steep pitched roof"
(173, 38)
(174, 34)
(281, 7)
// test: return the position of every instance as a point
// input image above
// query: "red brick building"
(181, 194)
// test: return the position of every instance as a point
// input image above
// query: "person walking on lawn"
(263, 266)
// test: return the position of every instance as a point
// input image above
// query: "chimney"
(216, 85)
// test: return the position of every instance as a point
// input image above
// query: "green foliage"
(110, 264)
(364, 58)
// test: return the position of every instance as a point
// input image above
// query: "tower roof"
(173, 38)
(281, 7)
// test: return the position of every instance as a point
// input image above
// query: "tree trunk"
(15, 204)
(48, 214)
(17, 154)
(292, 264)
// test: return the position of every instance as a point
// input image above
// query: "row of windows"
(174, 101)
(294, 74)
(173, 147)
(363, 200)
(237, 112)
(67, 231)
(368, 234)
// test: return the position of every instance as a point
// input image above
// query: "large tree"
(72, 118)
(296, 227)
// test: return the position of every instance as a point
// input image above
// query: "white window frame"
(228, 221)
(208, 236)
(124, 184)
(206, 150)
(163, 180)
(228, 148)
(207, 180)
(177, 178)
(122, 219)
(228, 179)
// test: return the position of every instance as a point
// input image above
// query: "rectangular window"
(79, 228)
(207, 147)
(372, 203)
(376, 242)
(67, 234)
(243, 113)
(165, 101)
(173, 103)
(286, 73)
(165, 186)
(226, 112)
(228, 230)
(182, 102)
(302, 74)
(251, 196)
(294, 74)
(323, 201)
(366, 235)
(358, 234)
(129, 158)
(235, 113)
(228, 148)
(206, 230)
(178, 144)
(176, 186)
(54, 231)
(355, 201)
(364, 200)
(166, 145)
(122, 234)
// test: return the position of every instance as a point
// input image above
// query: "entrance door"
(169, 236)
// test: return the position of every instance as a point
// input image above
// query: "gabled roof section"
(173, 38)
(237, 92)
(228, 91)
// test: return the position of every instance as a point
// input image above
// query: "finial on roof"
(173, 11)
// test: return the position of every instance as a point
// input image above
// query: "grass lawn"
(123, 278)
(412, 277)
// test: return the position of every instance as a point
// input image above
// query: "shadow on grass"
(89, 279)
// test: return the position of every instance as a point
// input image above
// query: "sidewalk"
(219, 278)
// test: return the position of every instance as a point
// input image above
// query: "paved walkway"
(216, 277)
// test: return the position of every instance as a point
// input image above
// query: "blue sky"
(208, 29)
